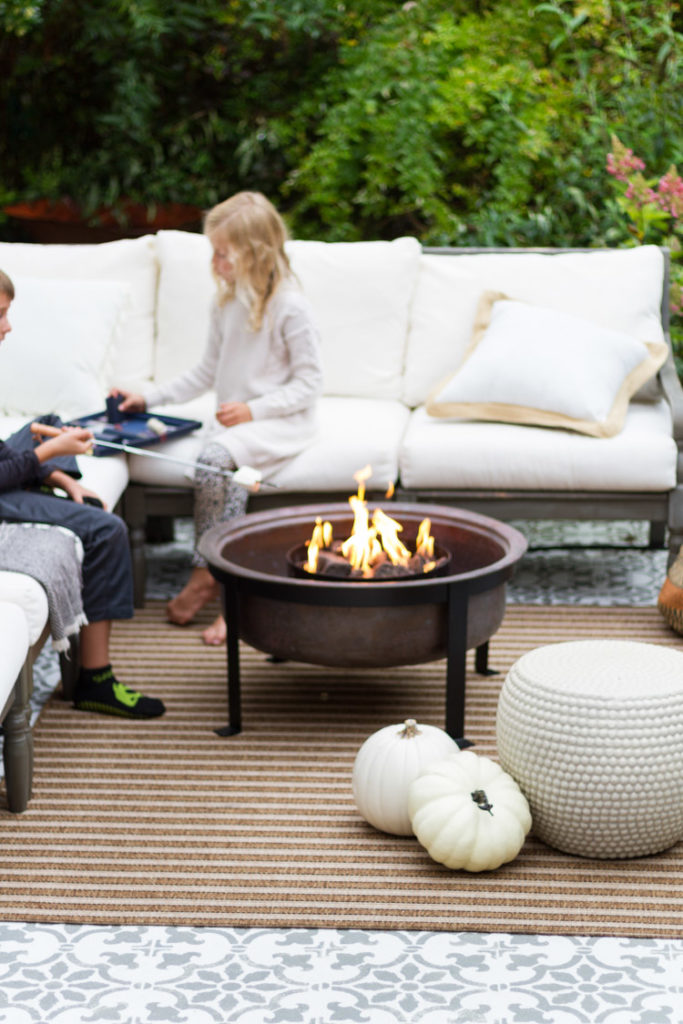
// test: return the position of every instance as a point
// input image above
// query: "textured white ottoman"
(592, 731)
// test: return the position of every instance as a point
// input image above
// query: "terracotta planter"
(49, 221)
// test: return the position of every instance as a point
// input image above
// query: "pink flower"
(622, 162)
(640, 192)
(670, 193)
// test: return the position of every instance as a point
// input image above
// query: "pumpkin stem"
(409, 729)
(482, 801)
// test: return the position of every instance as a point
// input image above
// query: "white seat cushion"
(352, 433)
(442, 454)
(106, 475)
(14, 644)
(145, 469)
(28, 594)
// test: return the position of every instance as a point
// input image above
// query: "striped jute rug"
(166, 823)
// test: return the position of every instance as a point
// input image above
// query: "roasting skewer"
(245, 476)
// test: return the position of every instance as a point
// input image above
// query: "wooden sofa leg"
(135, 515)
(657, 537)
(18, 746)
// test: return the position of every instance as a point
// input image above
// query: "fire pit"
(378, 624)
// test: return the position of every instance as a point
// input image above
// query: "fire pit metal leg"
(456, 667)
(231, 610)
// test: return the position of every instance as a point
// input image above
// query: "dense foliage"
(460, 122)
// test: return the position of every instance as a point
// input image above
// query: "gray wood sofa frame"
(663, 510)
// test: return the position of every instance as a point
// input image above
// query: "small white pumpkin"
(387, 763)
(468, 813)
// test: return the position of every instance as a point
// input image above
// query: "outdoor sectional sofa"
(396, 320)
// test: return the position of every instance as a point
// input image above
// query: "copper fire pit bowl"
(377, 624)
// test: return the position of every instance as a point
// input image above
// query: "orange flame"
(369, 540)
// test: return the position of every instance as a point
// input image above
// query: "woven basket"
(592, 731)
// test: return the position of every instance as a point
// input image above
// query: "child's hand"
(229, 414)
(132, 402)
(73, 488)
(78, 493)
(69, 441)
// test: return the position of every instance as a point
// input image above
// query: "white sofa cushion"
(442, 454)
(106, 475)
(352, 433)
(619, 289)
(533, 365)
(55, 359)
(144, 469)
(25, 592)
(360, 293)
(14, 644)
(186, 289)
(130, 260)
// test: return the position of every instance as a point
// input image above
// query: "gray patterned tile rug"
(70, 974)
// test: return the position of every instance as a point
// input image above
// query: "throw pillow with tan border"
(536, 366)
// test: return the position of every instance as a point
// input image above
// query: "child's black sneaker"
(99, 690)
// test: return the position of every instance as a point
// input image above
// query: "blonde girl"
(262, 359)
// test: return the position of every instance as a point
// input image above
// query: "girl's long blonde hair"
(249, 223)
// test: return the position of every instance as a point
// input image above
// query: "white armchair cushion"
(25, 592)
(56, 357)
(129, 260)
(532, 365)
(14, 644)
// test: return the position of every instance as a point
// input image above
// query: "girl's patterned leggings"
(216, 498)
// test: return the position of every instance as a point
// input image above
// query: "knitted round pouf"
(592, 730)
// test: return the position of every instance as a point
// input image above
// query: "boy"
(107, 580)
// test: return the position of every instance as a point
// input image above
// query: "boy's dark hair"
(6, 286)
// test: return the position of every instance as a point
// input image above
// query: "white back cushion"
(132, 260)
(619, 289)
(55, 358)
(186, 288)
(360, 293)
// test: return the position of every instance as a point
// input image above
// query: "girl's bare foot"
(216, 633)
(198, 591)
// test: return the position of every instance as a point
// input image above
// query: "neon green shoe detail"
(128, 697)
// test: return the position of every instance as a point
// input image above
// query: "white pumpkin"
(468, 813)
(387, 763)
